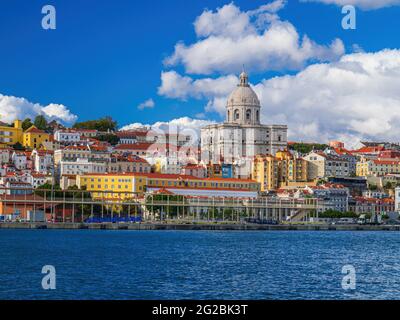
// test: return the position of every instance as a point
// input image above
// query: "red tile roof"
(137, 146)
(76, 147)
(375, 149)
(35, 130)
(386, 162)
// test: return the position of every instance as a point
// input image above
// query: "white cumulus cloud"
(363, 4)
(148, 104)
(12, 108)
(174, 85)
(180, 123)
(229, 38)
(184, 125)
(355, 98)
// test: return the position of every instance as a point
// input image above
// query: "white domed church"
(241, 136)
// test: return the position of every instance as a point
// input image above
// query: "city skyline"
(188, 151)
(116, 70)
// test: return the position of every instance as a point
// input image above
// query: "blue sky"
(106, 57)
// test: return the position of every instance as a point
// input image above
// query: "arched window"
(248, 114)
(229, 115)
(258, 115)
(237, 115)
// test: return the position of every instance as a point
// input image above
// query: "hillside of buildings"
(350, 183)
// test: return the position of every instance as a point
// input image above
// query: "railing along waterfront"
(80, 205)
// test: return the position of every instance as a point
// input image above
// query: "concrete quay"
(200, 226)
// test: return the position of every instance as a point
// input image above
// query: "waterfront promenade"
(199, 226)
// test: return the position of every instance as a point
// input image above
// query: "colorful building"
(131, 163)
(379, 167)
(279, 171)
(11, 135)
(364, 205)
(125, 184)
(291, 169)
(34, 138)
(195, 170)
(321, 165)
(266, 172)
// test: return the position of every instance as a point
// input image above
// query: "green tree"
(26, 124)
(389, 185)
(18, 146)
(103, 124)
(307, 147)
(109, 137)
(337, 214)
(40, 122)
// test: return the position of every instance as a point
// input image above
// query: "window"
(248, 114)
(237, 115)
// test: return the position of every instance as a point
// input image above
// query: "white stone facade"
(242, 136)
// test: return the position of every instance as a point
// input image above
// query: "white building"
(375, 194)
(242, 136)
(397, 199)
(331, 197)
(33, 179)
(67, 136)
(80, 166)
(321, 165)
(5, 155)
(19, 159)
(74, 152)
(38, 179)
(345, 155)
(42, 161)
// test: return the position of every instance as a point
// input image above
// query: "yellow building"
(366, 167)
(266, 172)
(11, 135)
(124, 185)
(34, 138)
(362, 167)
(291, 169)
(281, 170)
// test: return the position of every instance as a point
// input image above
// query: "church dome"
(243, 94)
(243, 105)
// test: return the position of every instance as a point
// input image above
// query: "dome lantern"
(244, 80)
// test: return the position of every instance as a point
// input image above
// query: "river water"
(199, 264)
